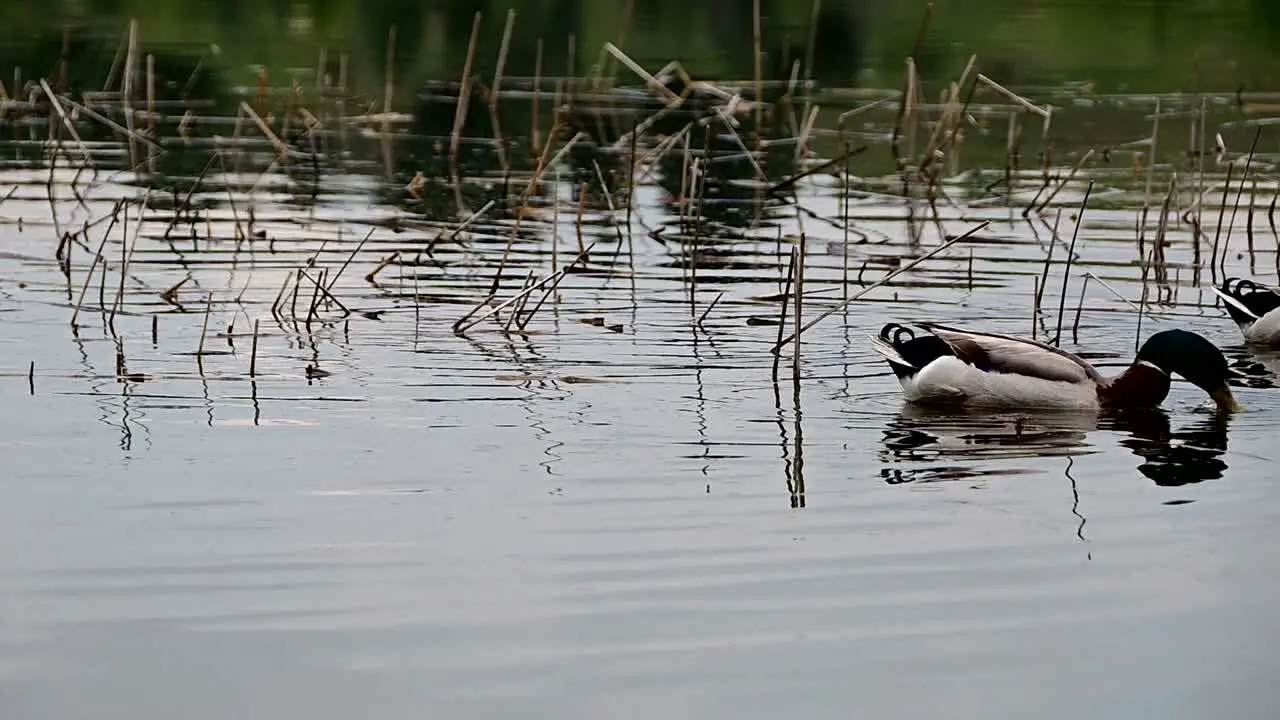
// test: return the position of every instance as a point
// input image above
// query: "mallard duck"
(962, 367)
(1254, 308)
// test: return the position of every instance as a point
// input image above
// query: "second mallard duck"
(1254, 308)
(961, 367)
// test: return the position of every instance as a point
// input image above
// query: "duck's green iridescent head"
(1185, 353)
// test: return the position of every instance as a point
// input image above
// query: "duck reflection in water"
(921, 445)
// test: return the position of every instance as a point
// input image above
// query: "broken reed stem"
(350, 257)
(1066, 273)
(1075, 326)
(204, 329)
(453, 236)
(782, 312)
(707, 311)
(253, 351)
(468, 321)
(799, 304)
(887, 278)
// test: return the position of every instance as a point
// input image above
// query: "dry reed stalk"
(116, 62)
(904, 110)
(382, 265)
(352, 256)
(1151, 170)
(1217, 235)
(686, 160)
(464, 94)
(31, 378)
(551, 289)
(186, 202)
(1142, 302)
(1026, 104)
(124, 265)
(555, 224)
(231, 200)
(86, 110)
(204, 328)
(1035, 307)
(650, 121)
(631, 179)
(703, 317)
(534, 140)
(388, 92)
(284, 288)
(635, 67)
(1075, 326)
(651, 160)
(952, 116)
(1071, 253)
(496, 89)
(519, 306)
(844, 220)
(814, 12)
(613, 213)
(542, 166)
(453, 235)
(1048, 259)
(1253, 148)
(97, 258)
(293, 301)
(1248, 226)
(798, 303)
(782, 312)
(802, 142)
(66, 121)
(253, 351)
(1162, 229)
(315, 299)
(468, 321)
(888, 277)
(151, 108)
(127, 97)
(266, 130)
(1067, 181)
(758, 62)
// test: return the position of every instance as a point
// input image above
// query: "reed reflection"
(920, 445)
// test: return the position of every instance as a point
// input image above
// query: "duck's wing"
(1007, 354)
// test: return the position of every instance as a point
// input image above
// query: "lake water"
(623, 511)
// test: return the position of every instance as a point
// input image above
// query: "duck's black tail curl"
(917, 352)
(1257, 299)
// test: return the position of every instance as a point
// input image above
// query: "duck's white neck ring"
(1153, 366)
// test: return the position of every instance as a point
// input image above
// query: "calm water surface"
(619, 513)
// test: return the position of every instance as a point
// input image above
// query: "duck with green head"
(977, 369)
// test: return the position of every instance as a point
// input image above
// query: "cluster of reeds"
(610, 138)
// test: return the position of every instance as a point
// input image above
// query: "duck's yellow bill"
(1224, 399)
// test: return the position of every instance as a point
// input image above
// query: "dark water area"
(321, 397)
